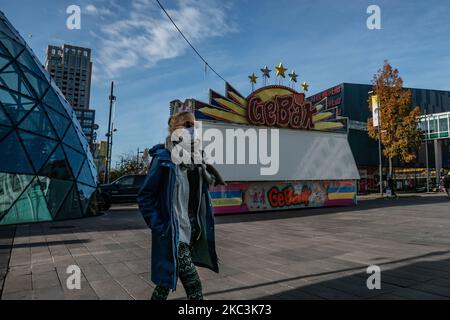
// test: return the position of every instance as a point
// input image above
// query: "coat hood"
(160, 151)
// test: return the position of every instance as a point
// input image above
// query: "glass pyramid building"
(46, 169)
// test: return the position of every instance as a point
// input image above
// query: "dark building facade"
(71, 68)
(86, 117)
(352, 100)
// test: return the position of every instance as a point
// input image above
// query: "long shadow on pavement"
(417, 280)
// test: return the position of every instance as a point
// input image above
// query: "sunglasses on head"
(188, 124)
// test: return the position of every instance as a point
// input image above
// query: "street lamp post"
(112, 98)
(426, 152)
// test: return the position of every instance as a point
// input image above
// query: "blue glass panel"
(38, 148)
(30, 207)
(72, 139)
(59, 122)
(92, 166)
(66, 105)
(14, 159)
(57, 166)
(5, 32)
(55, 192)
(53, 102)
(12, 185)
(75, 160)
(4, 132)
(85, 175)
(26, 60)
(3, 62)
(37, 121)
(71, 207)
(86, 194)
(13, 47)
(40, 86)
(11, 78)
(15, 105)
(9, 30)
(4, 120)
(4, 52)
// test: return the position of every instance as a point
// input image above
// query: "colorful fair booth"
(303, 159)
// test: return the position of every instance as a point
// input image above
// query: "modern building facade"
(99, 151)
(352, 102)
(71, 68)
(47, 171)
(86, 117)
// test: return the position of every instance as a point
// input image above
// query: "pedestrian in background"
(447, 183)
(175, 203)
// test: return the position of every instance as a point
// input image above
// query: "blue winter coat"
(156, 204)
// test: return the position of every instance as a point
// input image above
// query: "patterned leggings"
(188, 276)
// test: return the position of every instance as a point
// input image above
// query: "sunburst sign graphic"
(270, 106)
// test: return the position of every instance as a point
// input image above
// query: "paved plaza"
(302, 254)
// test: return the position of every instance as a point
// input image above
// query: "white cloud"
(145, 35)
(90, 9)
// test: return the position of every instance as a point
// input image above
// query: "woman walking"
(175, 204)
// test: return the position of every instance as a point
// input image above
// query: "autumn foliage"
(400, 135)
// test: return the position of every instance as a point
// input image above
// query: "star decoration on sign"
(253, 78)
(305, 86)
(266, 72)
(281, 70)
(293, 76)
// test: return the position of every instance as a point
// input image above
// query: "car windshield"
(127, 181)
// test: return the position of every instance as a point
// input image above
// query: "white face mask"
(189, 140)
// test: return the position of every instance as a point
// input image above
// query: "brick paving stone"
(45, 280)
(109, 290)
(304, 254)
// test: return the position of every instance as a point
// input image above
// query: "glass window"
(38, 148)
(75, 160)
(55, 192)
(52, 100)
(432, 125)
(443, 124)
(85, 193)
(85, 175)
(59, 122)
(19, 162)
(12, 46)
(36, 121)
(30, 207)
(4, 120)
(39, 86)
(56, 167)
(27, 60)
(11, 187)
(125, 181)
(71, 206)
(15, 105)
(11, 78)
(72, 140)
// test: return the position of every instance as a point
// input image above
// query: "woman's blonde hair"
(179, 119)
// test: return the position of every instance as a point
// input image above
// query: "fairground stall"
(296, 153)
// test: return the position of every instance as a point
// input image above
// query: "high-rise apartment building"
(71, 68)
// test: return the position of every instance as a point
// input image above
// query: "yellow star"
(253, 78)
(280, 70)
(305, 86)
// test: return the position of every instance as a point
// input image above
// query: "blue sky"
(326, 42)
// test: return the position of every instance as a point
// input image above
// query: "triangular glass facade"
(46, 169)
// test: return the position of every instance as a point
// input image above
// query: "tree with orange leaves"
(400, 135)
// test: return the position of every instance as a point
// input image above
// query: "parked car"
(123, 190)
